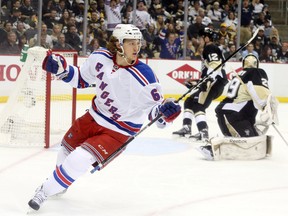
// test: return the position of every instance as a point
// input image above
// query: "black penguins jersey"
(238, 93)
(211, 53)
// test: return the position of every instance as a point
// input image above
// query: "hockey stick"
(191, 91)
(276, 129)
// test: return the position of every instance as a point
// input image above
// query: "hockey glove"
(206, 83)
(55, 64)
(189, 83)
(170, 110)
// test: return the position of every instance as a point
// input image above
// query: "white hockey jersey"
(125, 96)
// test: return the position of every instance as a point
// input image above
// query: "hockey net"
(40, 108)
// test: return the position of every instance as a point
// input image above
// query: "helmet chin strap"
(122, 54)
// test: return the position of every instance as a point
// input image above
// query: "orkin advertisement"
(171, 74)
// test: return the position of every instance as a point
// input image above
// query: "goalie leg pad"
(242, 148)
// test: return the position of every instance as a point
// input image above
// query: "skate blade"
(30, 211)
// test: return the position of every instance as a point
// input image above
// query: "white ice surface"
(158, 175)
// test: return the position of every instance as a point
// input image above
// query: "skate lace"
(40, 197)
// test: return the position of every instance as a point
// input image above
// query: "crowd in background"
(160, 21)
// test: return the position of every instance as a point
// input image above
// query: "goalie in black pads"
(247, 93)
(196, 104)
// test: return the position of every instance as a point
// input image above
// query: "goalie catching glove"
(55, 64)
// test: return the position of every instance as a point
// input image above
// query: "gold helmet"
(250, 61)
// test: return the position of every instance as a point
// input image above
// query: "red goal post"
(40, 108)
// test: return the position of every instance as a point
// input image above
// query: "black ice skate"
(186, 130)
(206, 151)
(201, 136)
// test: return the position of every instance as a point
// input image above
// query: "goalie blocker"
(241, 148)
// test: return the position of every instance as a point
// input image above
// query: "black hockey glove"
(189, 83)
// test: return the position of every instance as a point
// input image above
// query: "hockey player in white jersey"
(247, 93)
(127, 93)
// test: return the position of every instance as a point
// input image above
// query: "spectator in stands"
(143, 18)
(9, 46)
(275, 45)
(284, 54)
(215, 14)
(145, 51)
(64, 21)
(32, 31)
(43, 41)
(258, 46)
(267, 13)
(7, 27)
(103, 38)
(225, 12)
(46, 10)
(231, 20)
(92, 46)
(71, 22)
(27, 11)
(44, 35)
(231, 50)
(56, 31)
(194, 11)
(193, 31)
(259, 21)
(170, 6)
(113, 14)
(249, 50)
(160, 24)
(198, 53)
(93, 8)
(205, 19)
(170, 44)
(258, 7)
(72, 37)
(51, 20)
(266, 55)
(61, 44)
(96, 23)
(267, 28)
(89, 35)
(60, 8)
(71, 6)
(15, 16)
(20, 30)
(127, 10)
(22, 41)
(246, 18)
(16, 4)
(223, 32)
(222, 43)
(190, 51)
(150, 36)
(261, 34)
(179, 15)
(79, 14)
(157, 10)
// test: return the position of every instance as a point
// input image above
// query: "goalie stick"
(191, 91)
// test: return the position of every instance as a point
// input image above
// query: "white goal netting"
(39, 109)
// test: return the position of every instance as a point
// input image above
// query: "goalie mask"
(250, 61)
(126, 31)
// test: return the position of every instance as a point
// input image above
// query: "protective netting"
(26, 115)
